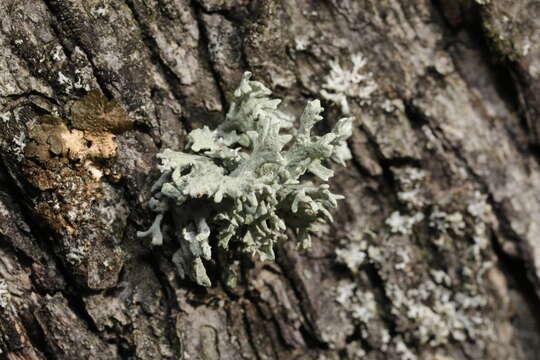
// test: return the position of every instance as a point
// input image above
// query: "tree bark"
(433, 254)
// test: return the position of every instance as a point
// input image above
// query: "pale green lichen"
(245, 182)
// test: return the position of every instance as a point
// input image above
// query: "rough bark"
(433, 254)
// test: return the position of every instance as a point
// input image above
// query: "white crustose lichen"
(5, 296)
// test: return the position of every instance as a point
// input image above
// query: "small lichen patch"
(444, 222)
(5, 295)
(403, 224)
(411, 183)
(402, 350)
(343, 83)
(433, 302)
(5, 117)
(352, 254)
(19, 145)
(100, 10)
(301, 43)
(58, 54)
(357, 305)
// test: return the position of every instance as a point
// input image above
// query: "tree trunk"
(433, 254)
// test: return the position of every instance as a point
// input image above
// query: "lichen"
(342, 83)
(246, 182)
(5, 295)
(411, 182)
(403, 224)
(433, 302)
(361, 304)
(352, 255)
(68, 162)
(442, 221)
(19, 144)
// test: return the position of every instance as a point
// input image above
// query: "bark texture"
(433, 254)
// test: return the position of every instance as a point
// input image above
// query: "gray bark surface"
(433, 254)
